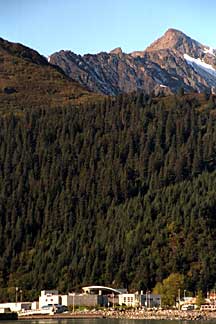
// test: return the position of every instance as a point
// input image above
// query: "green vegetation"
(120, 191)
(170, 289)
(200, 299)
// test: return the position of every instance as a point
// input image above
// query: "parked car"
(188, 307)
(61, 309)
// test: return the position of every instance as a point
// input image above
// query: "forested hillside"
(120, 192)
(28, 80)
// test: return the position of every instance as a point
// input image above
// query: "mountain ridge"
(161, 65)
(29, 80)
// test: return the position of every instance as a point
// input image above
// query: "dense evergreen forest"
(120, 192)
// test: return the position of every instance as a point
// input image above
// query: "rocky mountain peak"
(116, 51)
(176, 40)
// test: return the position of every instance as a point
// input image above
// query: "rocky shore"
(160, 314)
(133, 314)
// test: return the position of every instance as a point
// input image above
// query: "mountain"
(119, 193)
(27, 79)
(173, 61)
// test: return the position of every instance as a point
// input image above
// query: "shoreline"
(132, 314)
(60, 316)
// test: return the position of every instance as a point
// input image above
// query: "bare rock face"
(176, 40)
(117, 51)
(173, 61)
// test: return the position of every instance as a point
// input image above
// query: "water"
(107, 321)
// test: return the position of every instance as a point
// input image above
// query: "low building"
(187, 303)
(49, 298)
(130, 300)
(17, 307)
(150, 300)
(98, 296)
(84, 300)
(140, 300)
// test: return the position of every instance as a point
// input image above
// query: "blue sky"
(91, 26)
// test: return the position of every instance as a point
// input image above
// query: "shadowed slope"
(27, 79)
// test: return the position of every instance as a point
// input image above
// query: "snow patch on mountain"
(209, 50)
(163, 86)
(201, 64)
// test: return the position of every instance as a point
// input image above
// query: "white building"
(35, 305)
(49, 298)
(17, 307)
(135, 300)
(132, 300)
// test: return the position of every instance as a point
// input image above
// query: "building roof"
(88, 289)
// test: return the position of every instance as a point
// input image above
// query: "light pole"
(73, 303)
(184, 294)
(21, 295)
(150, 299)
(16, 293)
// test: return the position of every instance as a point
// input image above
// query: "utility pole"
(16, 293)
(179, 298)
